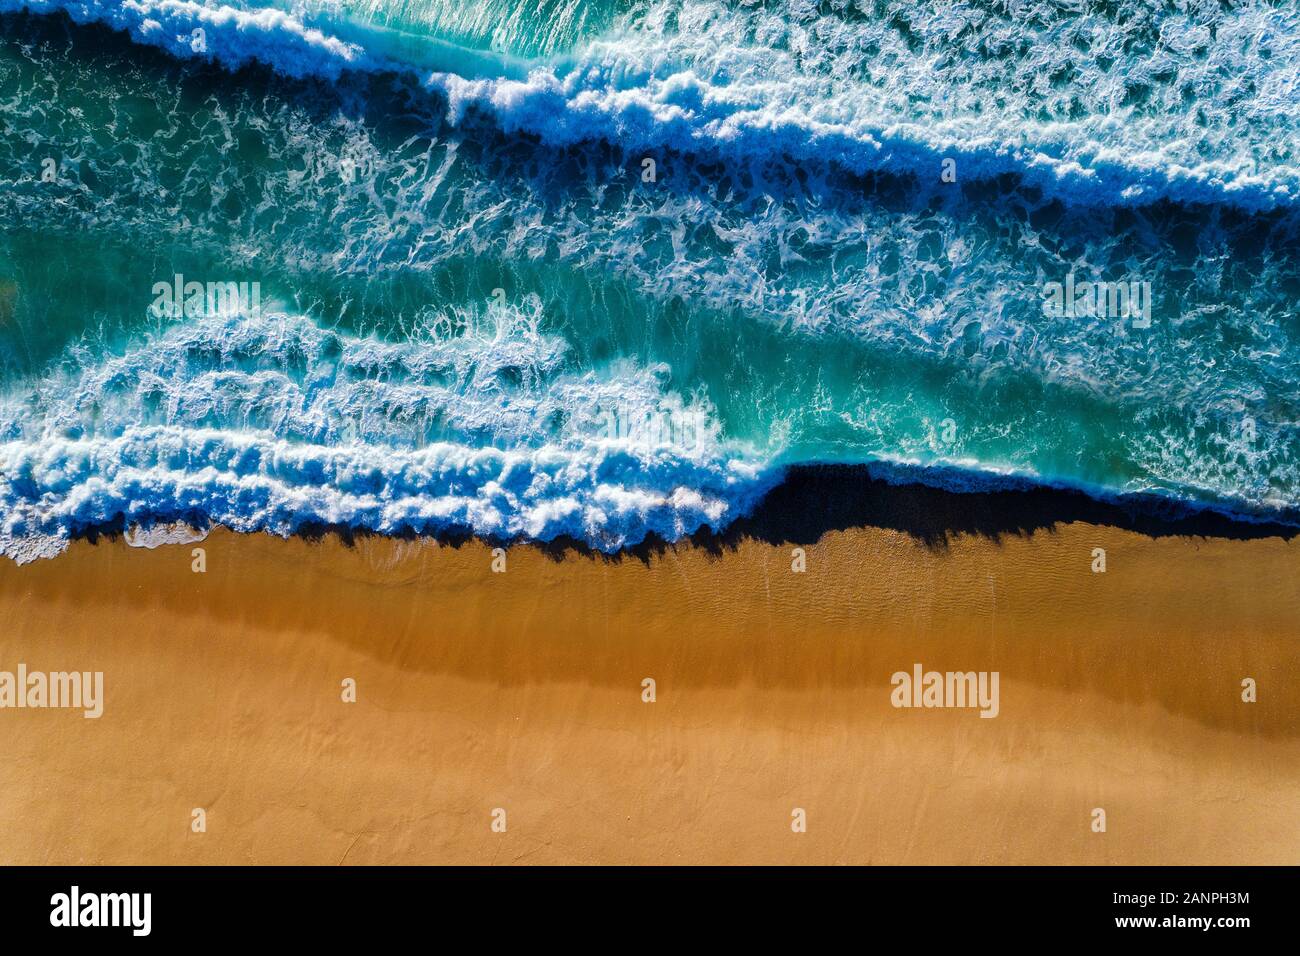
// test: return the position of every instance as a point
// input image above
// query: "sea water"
(606, 270)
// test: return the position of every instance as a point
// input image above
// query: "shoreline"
(812, 500)
(522, 690)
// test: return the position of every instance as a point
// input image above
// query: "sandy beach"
(523, 691)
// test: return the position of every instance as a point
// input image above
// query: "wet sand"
(522, 691)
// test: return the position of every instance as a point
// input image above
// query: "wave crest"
(274, 424)
(1157, 122)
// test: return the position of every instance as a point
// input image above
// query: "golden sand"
(523, 691)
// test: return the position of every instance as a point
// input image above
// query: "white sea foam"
(158, 534)
(273, 424)
(703, 75)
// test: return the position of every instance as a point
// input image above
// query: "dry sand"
(523, 691)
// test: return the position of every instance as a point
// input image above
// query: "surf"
(270, 423)
(466, 324)
(651, 81)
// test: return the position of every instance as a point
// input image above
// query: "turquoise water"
(477, 310)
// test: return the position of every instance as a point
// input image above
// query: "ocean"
(607, 271)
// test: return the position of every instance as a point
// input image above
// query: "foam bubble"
(700, 74)
(273, 424)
